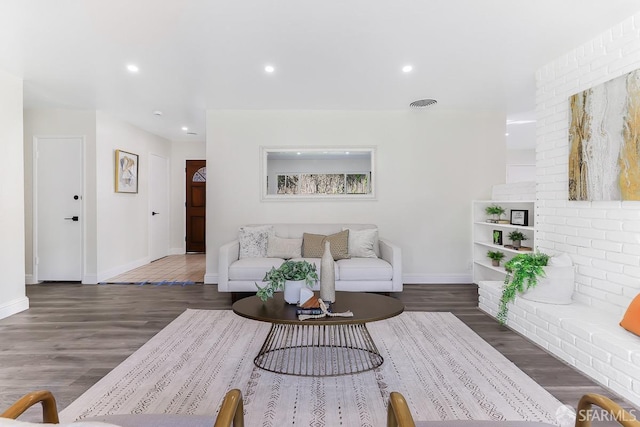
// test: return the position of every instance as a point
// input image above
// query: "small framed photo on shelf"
(497, 237)
(519, 217)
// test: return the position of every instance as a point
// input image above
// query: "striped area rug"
(444, 370)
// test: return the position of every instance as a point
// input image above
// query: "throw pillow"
(363, 243)
(254, 240)
(278, 247)
(631, 319)
(313, 245)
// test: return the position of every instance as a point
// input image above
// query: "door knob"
(73, 218)
(155, 213)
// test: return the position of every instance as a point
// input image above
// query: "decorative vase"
(516, 244)
(327, 275)
(292, 290)
(495, 262)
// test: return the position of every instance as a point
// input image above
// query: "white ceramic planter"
(555, 288)
(292, 290)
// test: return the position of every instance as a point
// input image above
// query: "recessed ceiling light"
(133, 68)
(506, 134)
(184, 128)
(269, 69)
(407, 69)
(423, 103)
(157, 113)
(191, 133)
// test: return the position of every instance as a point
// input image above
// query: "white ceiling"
(329, 54)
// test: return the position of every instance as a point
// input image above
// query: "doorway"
(158, 207)
(196, 189)
(58, 208)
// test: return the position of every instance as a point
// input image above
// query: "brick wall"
(603, 238)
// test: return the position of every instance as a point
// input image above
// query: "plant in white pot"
(282, 278)
(496, 211)
(517, 237)
(495, 257)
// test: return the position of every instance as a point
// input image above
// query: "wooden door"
(196, 204)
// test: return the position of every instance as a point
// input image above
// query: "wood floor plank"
(75, 334)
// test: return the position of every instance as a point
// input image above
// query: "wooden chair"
(231, 413)
(399, 415)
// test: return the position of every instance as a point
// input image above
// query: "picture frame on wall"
(126, 172)
(519, 217)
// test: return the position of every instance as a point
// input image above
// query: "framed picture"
(520, 217)
(497, 237)
(126, 172)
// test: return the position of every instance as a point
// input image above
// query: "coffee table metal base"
(318, 350)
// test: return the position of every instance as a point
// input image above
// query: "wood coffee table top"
(365, 307)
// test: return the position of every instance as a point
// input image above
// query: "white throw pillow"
(254, 240)
(560, 260)
(556, 287)
(363, 243)
(279, 247)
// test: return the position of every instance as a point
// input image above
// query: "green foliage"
(517, 235)
(494, 210)
(523, 271)
(289, 270)
(495, 255)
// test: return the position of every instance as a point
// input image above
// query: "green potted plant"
(302, 272)
(495, 257)
(523, 271)
(496, 211)
(517, 237)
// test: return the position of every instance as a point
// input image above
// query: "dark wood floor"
(74, 334)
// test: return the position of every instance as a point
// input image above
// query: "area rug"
(444, 370)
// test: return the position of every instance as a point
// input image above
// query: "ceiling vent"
(423, 103)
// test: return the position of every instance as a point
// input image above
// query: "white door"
(59, 213)
(159, 207)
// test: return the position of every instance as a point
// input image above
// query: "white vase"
(292, 290)
(327, 275)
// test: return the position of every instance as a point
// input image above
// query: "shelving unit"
(483, 236)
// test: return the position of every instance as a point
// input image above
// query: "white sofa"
(382, 274)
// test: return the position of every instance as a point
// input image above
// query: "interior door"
(196, 205)
(59, 208)
(159, 207)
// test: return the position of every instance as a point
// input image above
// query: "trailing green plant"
(523, 271)
(495, 210)
(517, 235)
(495, 255)
(289, 270)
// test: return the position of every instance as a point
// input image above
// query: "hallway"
(183, 270)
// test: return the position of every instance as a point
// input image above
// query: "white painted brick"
(593, 293)
(592, 253)
(592, 233)
(592, 272)
(593, 213)
(577, 222)
(606, 224)
(631, 370)
(623, 280)
(606, 245)
(579, 241)
(551, 339)
(609, 372)
(632, 260)
(624, 237)
(608, 266)
(632, 271)
(539, 323)
(621, 300)
(631, 249)
(576, 353)
(607, 286)
(575, 327)
(595, 352)
(631, 226)
(562, 355)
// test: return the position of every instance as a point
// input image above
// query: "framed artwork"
(126, 172)
(497, 237)
(519, 217)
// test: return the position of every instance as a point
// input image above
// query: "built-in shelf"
(483, 236)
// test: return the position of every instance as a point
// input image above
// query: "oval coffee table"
(319, 347)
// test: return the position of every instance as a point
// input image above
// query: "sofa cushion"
(278, 247)
(313, 245)
(253, 240)
(363, 243)
(252, 268)
(365, 269)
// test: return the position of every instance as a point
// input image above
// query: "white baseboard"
(211, 279)
(90, 279)
(15, 306)
(413, 279)
(105, 275)
(177, 251)
(29, 280)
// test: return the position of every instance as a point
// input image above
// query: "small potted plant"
(290, 277)
(523, 271)
(495, 257)
(496, 211)
(517, 237)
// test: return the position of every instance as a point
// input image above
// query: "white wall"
(12, 286)
(180, 153)
(56, 122)
(430, 165)
(123, 218)
(603, 238)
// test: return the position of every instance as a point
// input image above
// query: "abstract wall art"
(126, 172)
(604, 141)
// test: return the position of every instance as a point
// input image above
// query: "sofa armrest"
(393, 255)
(228, 254)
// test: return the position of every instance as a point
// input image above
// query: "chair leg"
(49, 408)
(232, 410)
(584, 415)
(398, 413)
